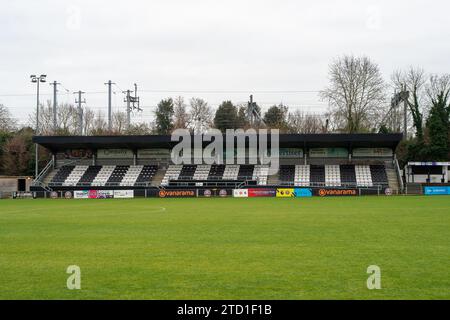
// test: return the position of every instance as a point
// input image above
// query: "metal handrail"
(43, 173)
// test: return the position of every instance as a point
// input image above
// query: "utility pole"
(109, 83)
(55, 90)
(128, 101)
(80, 111)
(132, 104)
(252, 112)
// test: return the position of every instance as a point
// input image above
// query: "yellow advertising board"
(285, 193)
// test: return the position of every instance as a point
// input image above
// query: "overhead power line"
(179, 91)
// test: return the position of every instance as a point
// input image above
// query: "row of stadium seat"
(100, 176)
(257, 173)
(297, 175)
(333, 175)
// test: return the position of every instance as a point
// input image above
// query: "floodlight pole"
(36, 165)
(405, 111)
(37, 80)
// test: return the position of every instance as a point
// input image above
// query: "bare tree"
(181, 116)
(88, 120)
(414, 80)
(99, 125)
(7, 123)
(439, 88)
(201, 115)
(67, 119)
(300, 122)
(45, 118)
(119, 122)
(356, 94)
(139, 129)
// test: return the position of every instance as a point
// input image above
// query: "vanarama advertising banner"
(336, 192)
(177, 193)
(285, 193)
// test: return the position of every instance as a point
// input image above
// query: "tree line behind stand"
(357, 95)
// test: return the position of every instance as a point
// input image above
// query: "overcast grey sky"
(240, 46)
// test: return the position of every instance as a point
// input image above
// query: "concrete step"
(392, 179)
(49, 176)
(157, 179)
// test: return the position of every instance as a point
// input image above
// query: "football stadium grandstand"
(362, 162)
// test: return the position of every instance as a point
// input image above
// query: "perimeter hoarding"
(436, 191)
(285, 193)
(262, 192)
(191, 193)
(208, 193)
(240, 193)
(103, 194)
(336, 192)
(81, 194)
(303, 192)
(123, 194)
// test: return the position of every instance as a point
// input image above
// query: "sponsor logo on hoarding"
(240, 193)
(436, 191)
(262, 192)
(176, 193)
(388, 191)
(337, 192)
(54, 195)
(92, 194)
(81, 194)
(207, 193)
(285, 193)
(303, 192)
(223, 193)
(68, 195)
(123, 194)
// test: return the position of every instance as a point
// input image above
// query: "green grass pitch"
(266, 248)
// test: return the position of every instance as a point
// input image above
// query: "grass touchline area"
(260, 248)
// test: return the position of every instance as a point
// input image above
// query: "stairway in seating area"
(392, 177)
(159, 176)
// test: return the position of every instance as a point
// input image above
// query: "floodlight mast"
(37, 80)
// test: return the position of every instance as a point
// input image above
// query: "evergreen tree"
(226, 117)
(164, 116)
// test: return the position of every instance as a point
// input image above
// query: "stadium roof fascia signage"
(429, 164)
(305, 141)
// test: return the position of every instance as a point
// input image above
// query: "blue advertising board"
(435, 191)
(303, 192)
